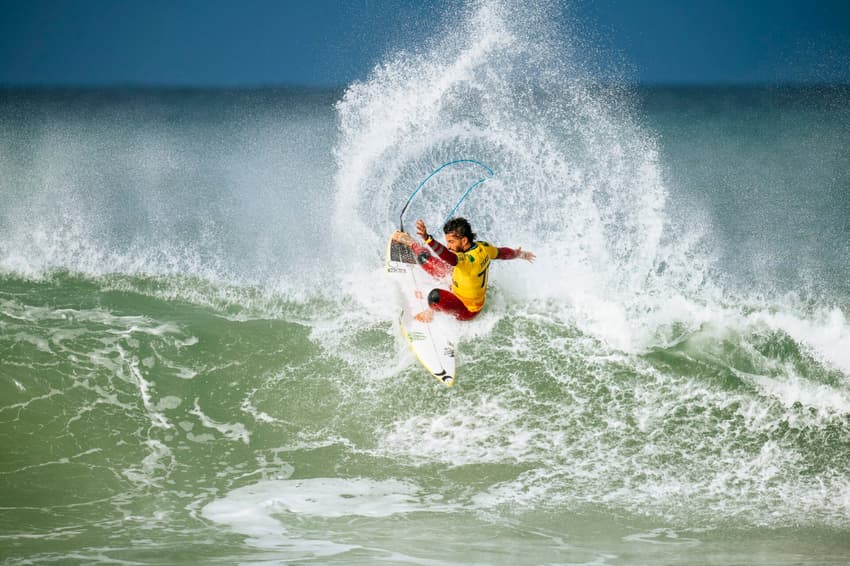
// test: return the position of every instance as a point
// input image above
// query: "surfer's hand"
(402, 237)
(527, 256)
(421, 229)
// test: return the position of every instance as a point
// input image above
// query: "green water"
(139, 428)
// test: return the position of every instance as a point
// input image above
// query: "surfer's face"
(456, 244)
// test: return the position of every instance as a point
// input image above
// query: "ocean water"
(199, 354)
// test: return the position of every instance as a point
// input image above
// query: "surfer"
(470, 260)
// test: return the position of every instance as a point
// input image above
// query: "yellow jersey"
(469, 278)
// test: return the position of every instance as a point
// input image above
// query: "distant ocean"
(200, 360)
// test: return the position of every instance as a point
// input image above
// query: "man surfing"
(470, 259)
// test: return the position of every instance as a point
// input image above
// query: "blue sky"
(333, 42)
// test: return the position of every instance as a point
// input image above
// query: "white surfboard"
(432, 342)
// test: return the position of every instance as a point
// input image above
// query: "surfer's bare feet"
(403, 237)
(425, 316)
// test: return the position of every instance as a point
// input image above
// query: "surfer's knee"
(423, 257)
(433, 297)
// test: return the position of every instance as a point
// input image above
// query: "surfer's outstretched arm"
(510, 253)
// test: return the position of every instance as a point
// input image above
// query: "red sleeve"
(507, 253)
(443, 252)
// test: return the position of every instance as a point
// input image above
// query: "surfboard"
(433, 342)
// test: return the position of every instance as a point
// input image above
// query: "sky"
(330, 43)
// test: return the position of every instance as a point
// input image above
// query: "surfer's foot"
(403, 237)
(425, 316)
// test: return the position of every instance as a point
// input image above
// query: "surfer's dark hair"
(461, 227)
